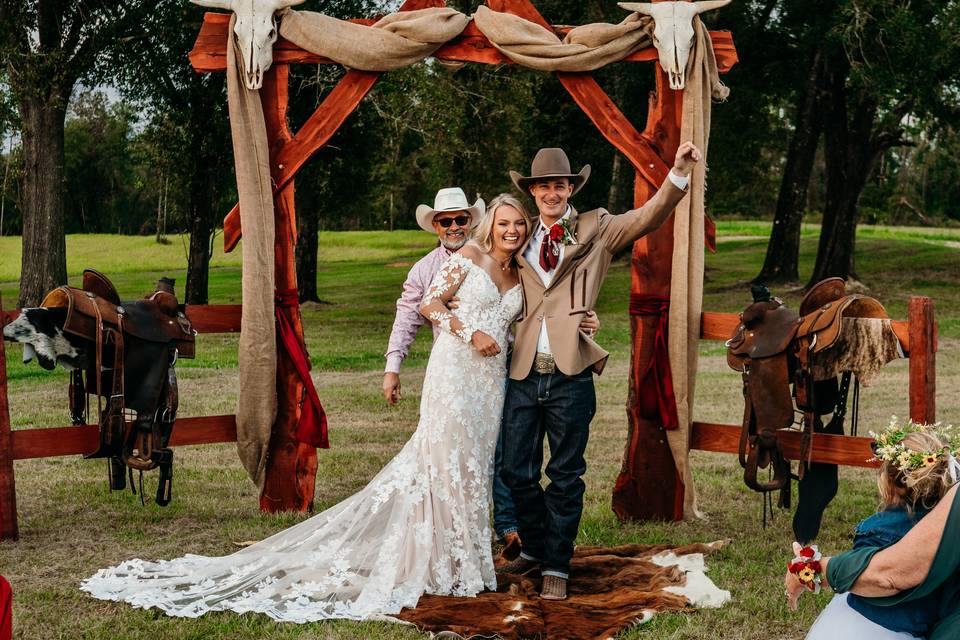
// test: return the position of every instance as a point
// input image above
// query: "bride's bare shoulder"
(472, 252)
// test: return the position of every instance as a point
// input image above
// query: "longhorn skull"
(256, 31)
(673, 32)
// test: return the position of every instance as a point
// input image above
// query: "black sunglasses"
(461, 221)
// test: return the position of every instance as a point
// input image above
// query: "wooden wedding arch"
(292, 467)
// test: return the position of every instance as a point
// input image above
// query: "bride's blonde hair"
(483, 233)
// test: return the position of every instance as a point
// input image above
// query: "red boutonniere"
(561, 232)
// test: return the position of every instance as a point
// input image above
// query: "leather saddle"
(130, 366)
(775, 348)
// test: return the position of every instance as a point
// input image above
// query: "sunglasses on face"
(461, 221)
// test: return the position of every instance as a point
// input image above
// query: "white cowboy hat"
(449, 199)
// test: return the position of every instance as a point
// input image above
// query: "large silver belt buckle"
(544, 363)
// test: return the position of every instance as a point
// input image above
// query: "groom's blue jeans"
(504, 513)
(559, 407)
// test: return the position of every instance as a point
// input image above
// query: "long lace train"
(420, 526)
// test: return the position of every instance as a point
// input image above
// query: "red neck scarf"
(550, 246)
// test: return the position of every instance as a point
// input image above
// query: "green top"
(844, 570)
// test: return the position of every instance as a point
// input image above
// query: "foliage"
(433, 125)
(102, 188)
(890, 447)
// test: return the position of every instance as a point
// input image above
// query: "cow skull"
(673, 32)
(256, 31)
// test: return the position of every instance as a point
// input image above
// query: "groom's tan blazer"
(576, 283)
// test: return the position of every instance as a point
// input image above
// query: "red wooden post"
(8, 489)
(647, 460)
(923, 360)
(291, 467)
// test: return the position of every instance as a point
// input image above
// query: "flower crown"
(889, 445)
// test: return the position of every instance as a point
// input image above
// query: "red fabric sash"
(312, 428)
(6, 610)
(655, 395)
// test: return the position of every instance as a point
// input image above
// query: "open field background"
(71, 525)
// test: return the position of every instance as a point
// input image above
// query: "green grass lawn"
(71, 526)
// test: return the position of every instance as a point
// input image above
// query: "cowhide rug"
(610, 589)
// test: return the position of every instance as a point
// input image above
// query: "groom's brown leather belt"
(544, 363)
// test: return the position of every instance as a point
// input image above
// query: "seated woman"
(917, 471)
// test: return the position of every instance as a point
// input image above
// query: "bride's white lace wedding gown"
(420, 526)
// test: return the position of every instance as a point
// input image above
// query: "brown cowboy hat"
(550, 163)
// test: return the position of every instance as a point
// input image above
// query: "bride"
(422, 524)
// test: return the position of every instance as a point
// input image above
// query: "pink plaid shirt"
(409, 320)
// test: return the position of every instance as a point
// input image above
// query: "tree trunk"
(851, 152)
(6, 174)
(782, 262)
(44, 262)
(166, 204)
(835, 250)
(201, 226)
(306, 254)
(613, 195)
(159, 207)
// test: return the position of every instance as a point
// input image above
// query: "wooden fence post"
(8, 489)
(923, 360)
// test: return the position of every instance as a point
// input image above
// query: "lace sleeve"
(444, 286)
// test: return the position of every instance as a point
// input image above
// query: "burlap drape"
(686, 284)
(399, 40)
(257, 351)
(395, 41)
(584, 48)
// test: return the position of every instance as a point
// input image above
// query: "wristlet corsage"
(806, 566)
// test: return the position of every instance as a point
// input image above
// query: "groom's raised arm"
(619, 232)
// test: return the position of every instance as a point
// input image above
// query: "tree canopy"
(862, 93)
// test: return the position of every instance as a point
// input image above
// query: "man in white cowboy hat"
(451, 218)
(550, 391)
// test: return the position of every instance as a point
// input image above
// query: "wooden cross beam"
(209, 55)
(209, 52)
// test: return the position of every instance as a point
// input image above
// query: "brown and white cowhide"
(610, 589)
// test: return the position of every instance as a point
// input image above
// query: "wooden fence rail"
(24, 444)
(918, 336)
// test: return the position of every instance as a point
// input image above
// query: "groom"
(551, 390)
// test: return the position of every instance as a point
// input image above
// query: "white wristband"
(680, 182)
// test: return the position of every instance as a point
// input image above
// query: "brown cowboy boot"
(554, 588)
(520, 566)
